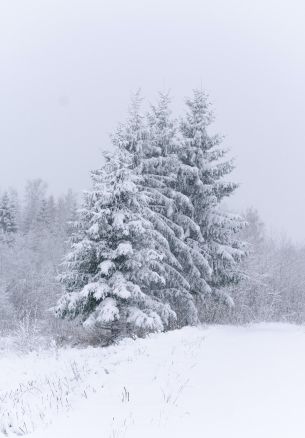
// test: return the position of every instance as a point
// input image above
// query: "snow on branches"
(152, 242)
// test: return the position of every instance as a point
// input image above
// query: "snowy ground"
(199, 382)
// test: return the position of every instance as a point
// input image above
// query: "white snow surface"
(206, 382)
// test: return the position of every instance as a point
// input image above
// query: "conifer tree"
(35, 194)
(117, 263)
(152, 244)
(6, 308)
(166, 166)
(8, 224)
(205, 184)
(42, 218)
(154, 149)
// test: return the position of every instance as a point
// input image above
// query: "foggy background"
(68, 69)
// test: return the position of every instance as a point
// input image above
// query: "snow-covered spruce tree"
(118, 261)
(203, 180)
(155, 151)
(175, 187)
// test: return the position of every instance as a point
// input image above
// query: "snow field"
(38, 388)
(210, 382)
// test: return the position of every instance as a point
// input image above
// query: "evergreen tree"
(117, 263)
(51, 213)
(164, 166)
(42, 219)
(6, 308)
(254, 231)
(170, 184)
(8, 224)
(34, 208)
(15, 208)
(154, 149)
(203, 180)
(66, 214)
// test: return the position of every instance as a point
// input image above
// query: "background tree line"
(34, 232)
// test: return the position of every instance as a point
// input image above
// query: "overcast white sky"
(67, 68)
